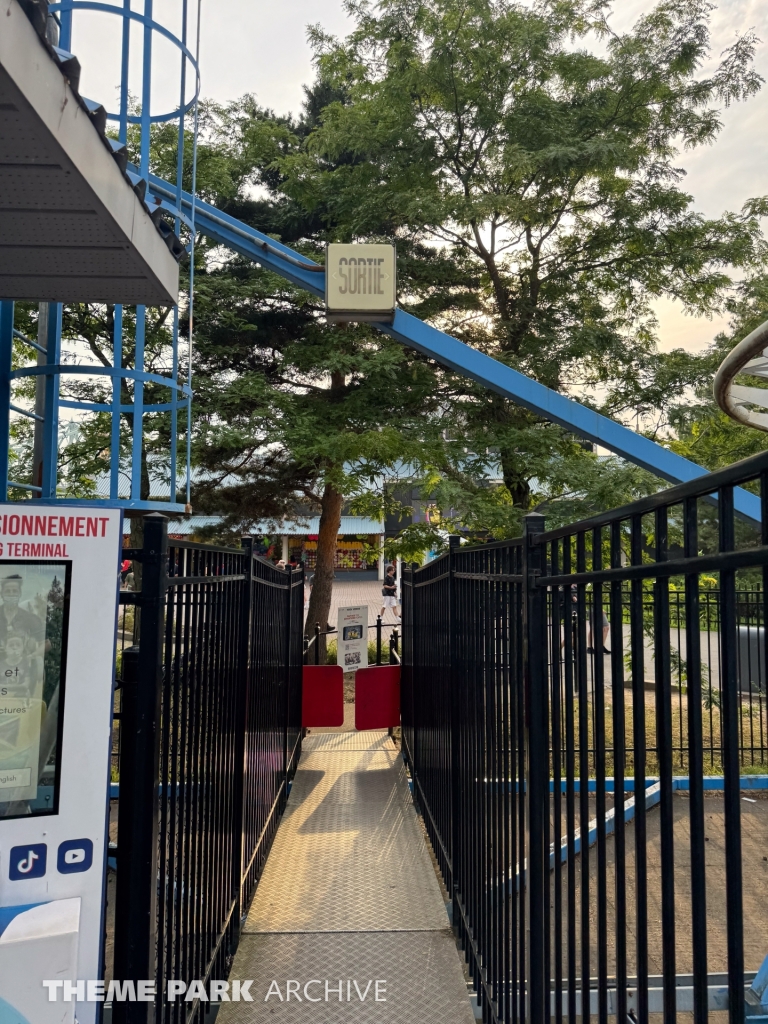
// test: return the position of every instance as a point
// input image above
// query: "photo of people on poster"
(32, 598)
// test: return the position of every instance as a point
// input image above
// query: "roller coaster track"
(745, 403)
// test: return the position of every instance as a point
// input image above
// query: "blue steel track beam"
(454, 354)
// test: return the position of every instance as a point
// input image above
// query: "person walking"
(596, 618)
(389, 593)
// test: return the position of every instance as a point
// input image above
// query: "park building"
(359, 544)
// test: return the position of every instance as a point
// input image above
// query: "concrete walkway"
(349, 907)
(368, 592)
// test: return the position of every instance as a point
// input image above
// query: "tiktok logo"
(28, 862)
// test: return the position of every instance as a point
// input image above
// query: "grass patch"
(330, 657)
(753, 736)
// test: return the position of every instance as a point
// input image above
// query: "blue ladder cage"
(129, 462)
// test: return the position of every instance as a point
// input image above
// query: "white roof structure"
(349, 525)
(72, 227)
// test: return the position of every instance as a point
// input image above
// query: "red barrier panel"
(377, 697)
(322, 700)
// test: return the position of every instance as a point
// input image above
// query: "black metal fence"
(568, 699)
(210, 735)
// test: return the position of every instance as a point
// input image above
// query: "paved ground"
(349, 899)
(754, 829)
(355, 592)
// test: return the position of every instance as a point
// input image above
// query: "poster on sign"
(33, 602)
(352, 635)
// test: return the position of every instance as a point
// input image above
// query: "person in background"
(389, 593)
(21, 674)
(597, 618)
(280, 564)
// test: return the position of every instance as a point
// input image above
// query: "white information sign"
(59, 580)
(360, 282)
(352, 625)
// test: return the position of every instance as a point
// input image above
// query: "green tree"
(293, 413)
(502, 135)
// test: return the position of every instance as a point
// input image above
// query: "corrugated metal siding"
(349, 525)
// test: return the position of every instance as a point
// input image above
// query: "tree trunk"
(517, 485)
(322, 588)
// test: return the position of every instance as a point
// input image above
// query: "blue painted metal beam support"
(450, 352)
(117, 393)
(138, 405)
(127, 405)
(6, 361)
(51, 422)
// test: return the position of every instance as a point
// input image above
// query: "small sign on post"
(360, 283)
(352, 638)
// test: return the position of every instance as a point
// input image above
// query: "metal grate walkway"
(349, 897)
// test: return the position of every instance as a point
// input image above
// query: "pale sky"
(261, 47)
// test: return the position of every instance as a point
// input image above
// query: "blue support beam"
(450, 352)
(51, 422)
(6, 363)
(116, 409)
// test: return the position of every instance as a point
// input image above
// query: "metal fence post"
(730, 712)
(6, 365)
(394, 646)
(137, 888)
(288, 624)
(241, 725)
(417, 655)
(536, 765)
(453, 546)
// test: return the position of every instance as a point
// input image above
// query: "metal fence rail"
(546, 758)
(210, 726)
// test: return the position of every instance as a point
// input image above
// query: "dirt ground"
(754, 825)
(349, 687)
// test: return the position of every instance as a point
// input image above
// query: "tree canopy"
(539, 150)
